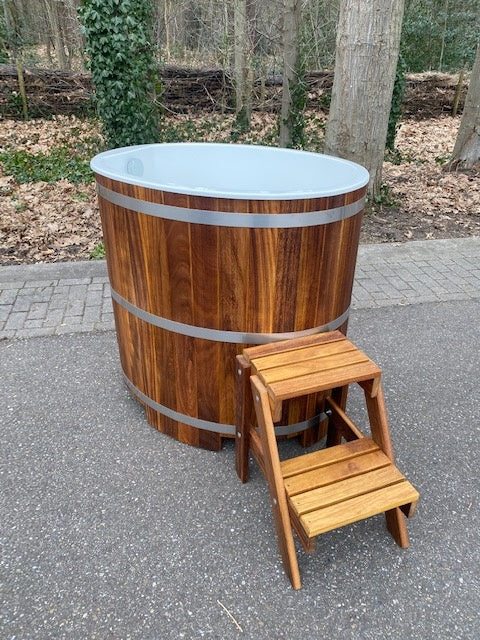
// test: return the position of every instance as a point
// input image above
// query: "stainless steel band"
(238, 337)
(228, 219)
(207, 425)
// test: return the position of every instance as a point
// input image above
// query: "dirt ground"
(41, 222)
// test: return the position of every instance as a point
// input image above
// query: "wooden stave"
(186, 296)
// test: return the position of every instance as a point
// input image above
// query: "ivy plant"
(122, 61)
(295, 120)
(398, 96)
(59, 163)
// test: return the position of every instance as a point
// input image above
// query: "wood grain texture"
(242, 421)
(246, 280)
(276, 487)
(358, 508)
(310, 480)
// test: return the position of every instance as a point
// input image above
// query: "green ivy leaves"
(46, 167)
(121, 58)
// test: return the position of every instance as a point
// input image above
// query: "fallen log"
(187, 90)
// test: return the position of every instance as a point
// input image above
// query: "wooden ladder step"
(325, 457)
(343, 490)
(316, 352)
(358, 466)
(358, 508)
(336, 486)
(321, 380)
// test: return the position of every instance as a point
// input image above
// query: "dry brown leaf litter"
(42, 222)
(429, 202)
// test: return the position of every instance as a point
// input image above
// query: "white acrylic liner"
(231, 171)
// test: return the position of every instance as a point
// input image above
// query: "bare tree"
(291, 53)
(368, 40)
(53, 11)
(14, 17)
(467, 145)
(243, 74)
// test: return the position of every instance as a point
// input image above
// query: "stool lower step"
(343, 484)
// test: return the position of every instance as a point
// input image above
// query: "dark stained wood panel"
(248, 280)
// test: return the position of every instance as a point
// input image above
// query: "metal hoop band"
(228, 219)
(217, 427)
(236, 337)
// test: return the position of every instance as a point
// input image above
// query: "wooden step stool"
(316, 492)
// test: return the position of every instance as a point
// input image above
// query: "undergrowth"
(98, 253)
(222, 128)
(70, 157)
(46, 167)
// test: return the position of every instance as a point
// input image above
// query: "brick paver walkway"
(56, 298)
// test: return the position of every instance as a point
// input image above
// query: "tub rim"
(360, 179)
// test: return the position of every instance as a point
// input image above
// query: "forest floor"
(54, 221)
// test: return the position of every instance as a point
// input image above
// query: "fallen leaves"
(41, 222)
(431, 202)
(40, 135)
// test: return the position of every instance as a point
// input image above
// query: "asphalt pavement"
(109, 529)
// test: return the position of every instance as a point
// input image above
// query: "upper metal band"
(228, 219)
(219, 335)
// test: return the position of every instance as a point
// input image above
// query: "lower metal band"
(207, 425)
(236, 337)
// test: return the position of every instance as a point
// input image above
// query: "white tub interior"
(231, 170)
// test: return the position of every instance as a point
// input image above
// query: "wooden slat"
(346, 489)
(358, 508)
(301, 354)
(322, 380)
(295, 369)
(325, 457)
(287, 279)
(335, 472)
(285, 346)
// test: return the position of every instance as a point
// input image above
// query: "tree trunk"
(368, 41)
(458, 91)
(467, 145)
(12, 24)
(54, 20)
(166, 23)
(291, 50)
(242, 72)
(444, 34)
(21, 85)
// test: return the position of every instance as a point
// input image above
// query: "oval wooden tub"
(213, 247)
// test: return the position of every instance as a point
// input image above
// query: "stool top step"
(292, 368)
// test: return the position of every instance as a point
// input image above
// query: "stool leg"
(311, 435)
(275, 481)
(377, 415)
(243, 413)
(334, 435)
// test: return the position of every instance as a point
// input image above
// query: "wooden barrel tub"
(214, 247)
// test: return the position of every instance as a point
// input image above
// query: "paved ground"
(58, 298)
(109, 529)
